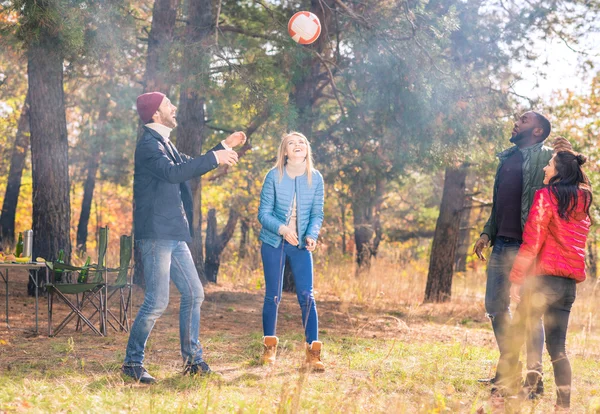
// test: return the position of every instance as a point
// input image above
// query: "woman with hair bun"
(550, 262)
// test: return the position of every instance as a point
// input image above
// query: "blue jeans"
(302, 268)
(164, 260)
(551, 297)
(497, 301)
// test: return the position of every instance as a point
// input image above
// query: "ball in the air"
(304, 27)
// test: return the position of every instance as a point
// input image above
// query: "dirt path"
(229, 317)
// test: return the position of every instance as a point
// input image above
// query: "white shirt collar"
(163, 130)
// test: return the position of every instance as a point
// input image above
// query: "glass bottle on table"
(83, 274)
(58, 272)
(19, 248)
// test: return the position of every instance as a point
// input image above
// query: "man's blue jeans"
(302, 268)
(497, 302)
(164, 260)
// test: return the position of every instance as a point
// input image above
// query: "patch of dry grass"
(385, 351)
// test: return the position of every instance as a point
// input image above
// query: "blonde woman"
(291, 214)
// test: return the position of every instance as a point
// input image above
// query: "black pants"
(551, 297)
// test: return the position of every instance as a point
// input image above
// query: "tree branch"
(335, 90)
(228, 230)
(217, 24)
(218, 128)
(397, 235)
(272, 13)
(254, 125)
(352, 14)
(235, 29)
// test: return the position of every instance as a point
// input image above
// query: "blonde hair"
(282, 157)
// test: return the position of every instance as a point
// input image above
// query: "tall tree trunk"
(49, 149)
(462, 251)
(15, 173)
(289, 285)
(445, 239)
(191, 132)
(215, 243)
(343, 223)
(86, 204)
(363, 233)
(379, 192)
(160, 43)
(90, 181)
(366, 202)
(244, 237)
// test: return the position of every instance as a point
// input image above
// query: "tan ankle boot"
(270, 349)
(313, 356)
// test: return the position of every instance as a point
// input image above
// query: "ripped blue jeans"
(497, 301)
(166, 260)
(302, 268)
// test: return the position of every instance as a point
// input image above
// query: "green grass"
(363, 375)
(383, 353)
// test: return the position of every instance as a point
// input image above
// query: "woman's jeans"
(302, 269)
(164, 260)
(497, 303)
(551, 297)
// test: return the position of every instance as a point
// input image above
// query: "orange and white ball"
(304, 27)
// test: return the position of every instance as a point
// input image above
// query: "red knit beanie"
(147, 104)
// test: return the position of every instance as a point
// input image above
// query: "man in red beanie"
(147, 104)
(163, 219)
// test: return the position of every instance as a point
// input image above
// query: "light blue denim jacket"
(276, 199)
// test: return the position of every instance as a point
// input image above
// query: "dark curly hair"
(567, 182)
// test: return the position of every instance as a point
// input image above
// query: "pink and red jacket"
(551, 245)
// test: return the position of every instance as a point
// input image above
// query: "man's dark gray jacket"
(162, 196)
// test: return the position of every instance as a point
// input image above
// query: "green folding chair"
(120, 288)
(93, 291)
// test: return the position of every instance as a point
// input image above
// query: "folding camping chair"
(93, 291)
(121, 288)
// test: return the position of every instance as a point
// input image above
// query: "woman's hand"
(311, 244)
(515, 293)
(561, 144)
(289, 235)
(291, 238)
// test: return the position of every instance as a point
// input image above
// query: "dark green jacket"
(535, 158)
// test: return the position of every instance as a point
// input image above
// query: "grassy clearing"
(364, 375)
(384, 350)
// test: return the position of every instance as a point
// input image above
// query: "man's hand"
(227, 157)
(311, 244)
(515, 293)
(289, 235)
(481, 244)
(561, 144)
(235, 139)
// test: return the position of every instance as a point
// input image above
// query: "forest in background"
(402, 101)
